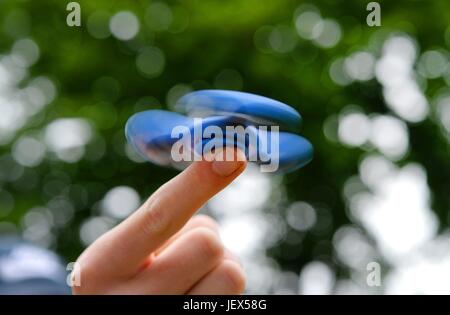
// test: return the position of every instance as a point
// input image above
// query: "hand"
(159, 249)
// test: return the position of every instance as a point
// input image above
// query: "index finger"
(128, 245)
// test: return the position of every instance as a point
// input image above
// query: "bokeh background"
(375, 101)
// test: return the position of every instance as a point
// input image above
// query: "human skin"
(162, 248)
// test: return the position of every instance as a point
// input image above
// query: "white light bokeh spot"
(301, 216)
(443, 111)
(424, 271)
(328, 33)
(390, 136)
(158, 16)
(25, 52)
(124, 25)
(360, 66)
(93, 227)
(316, 278)
(433, 64)
(308, 24)
(354, 129)
(353, 247)
(66, 137)
(120, 202)
(28, 151)
(394, 70)
(397, 213)
(256, 186)
(150, 61)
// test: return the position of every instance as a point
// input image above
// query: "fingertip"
(228, 161)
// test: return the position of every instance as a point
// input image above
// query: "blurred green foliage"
(98, 79)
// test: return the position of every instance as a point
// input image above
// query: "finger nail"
(227, 161)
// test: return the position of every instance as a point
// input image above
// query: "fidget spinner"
(261, 127)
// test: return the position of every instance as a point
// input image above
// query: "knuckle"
(203, 220)
(233, 276)
(209, 243)
(156, 219)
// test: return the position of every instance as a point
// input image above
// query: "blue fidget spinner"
(261, 127)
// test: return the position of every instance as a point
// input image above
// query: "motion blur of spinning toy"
(218, 118)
